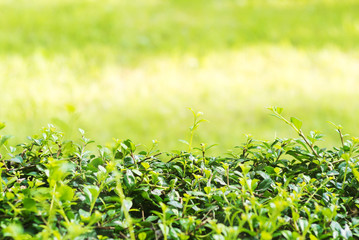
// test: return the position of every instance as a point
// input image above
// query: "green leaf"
(264, 185)
(14, 230)
(30, 204)
(66, 193)
(58, 170)
(296, 122)
(151, 218)
(85, 216)
(127, 204)
(287, 234)
(142, 236)
(335, 226)
(95, 217)
(279, 110)
(128, 145)
(96, 162)
(253, 183)
(146, 165)
(129, 179)
(269, 169)
(179, 169)
(81, 131)
(3, 139)
(91, 193)
(183, 141)
(355, 173)
(207, 189)
(346, 233)
(74, 229)
(2, 125)
(17, 159)
(312, 237)
(290, 235)
(128, 161)
(303, 224)
(175, 204)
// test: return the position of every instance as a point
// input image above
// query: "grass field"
(130, 69)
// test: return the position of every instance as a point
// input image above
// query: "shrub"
(285, 189)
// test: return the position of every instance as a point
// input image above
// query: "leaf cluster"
(53, 188)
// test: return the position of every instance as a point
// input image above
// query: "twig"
(151, 156)
(173, 158)
(105, 228)
(307, 142)
(338, 161)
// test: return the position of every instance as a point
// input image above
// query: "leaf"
(287, 234)
(81, 131)
(129, 179)
(164, 228)
(96, 162)
(346, 233)
(263, 174)
(296, 122)
(3, 139)
(183, 141)
(127, 204)
(58, 170)
(30, 204)
(220, 181)
(91, 192)
(338, 127)
(128, 144)
(207, 189)
(346, 157)
(66, 193)
(101, 174)
(312, 237)
(17, 159)
(146, 165)
(279, 110)
(156, 192)
(179, 169)
(175, 204)
(335, 226)
(14, 230)
(151, 218)
(74, 229)
(266, 235)
(303, 224)
(2, 125)
(333, 173)
(269, 169)
(85, 216)
(253, 183)
(128, 161)
(264, 185)
(142, 236)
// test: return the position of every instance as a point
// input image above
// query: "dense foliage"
(284, 189)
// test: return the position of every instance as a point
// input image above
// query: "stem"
(341, 136)
(164, 225)
(311, 196)
(52, 205)
(227, 173)
(122, 198)
(149, 157)
(345, 174)
(190, 142)
(300, 132)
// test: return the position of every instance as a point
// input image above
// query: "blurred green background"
(130, 69)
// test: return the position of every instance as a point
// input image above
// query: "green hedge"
(284, 189)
